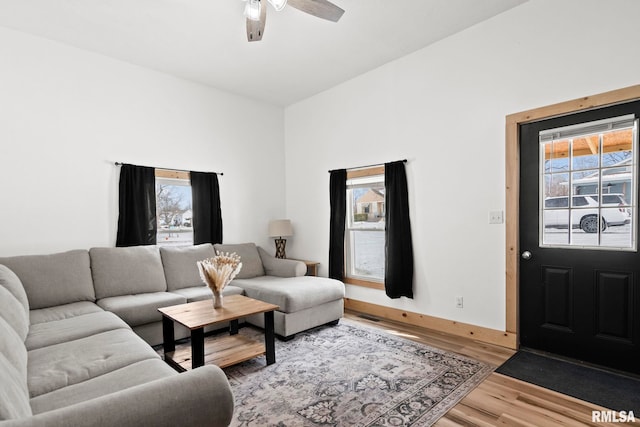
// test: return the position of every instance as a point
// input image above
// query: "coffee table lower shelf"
(222, 351)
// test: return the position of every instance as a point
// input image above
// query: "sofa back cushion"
(127, 271)
(180, 265)
(249, 256)
(56, 279)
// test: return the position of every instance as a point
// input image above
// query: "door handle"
(526, 255)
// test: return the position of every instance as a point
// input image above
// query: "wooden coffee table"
(224, 351)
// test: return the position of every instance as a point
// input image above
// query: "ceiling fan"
(256, 13)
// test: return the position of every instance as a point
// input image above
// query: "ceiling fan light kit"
(256, 14)
(278, 5)
(252, 10)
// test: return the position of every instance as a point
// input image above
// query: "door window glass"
(588, 185)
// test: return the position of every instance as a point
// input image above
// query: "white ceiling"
(205, 40)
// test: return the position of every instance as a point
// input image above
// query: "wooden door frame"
(512, 181)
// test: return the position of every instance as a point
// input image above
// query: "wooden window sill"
(364, 283)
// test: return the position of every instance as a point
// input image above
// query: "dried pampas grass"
(218, 271)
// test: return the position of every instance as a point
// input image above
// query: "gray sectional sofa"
(73, 328)
(64, 361)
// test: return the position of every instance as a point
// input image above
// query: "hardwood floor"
(499, 400)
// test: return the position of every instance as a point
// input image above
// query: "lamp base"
(280, 244)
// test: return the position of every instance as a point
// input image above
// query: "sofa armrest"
(281, 267)
(201, 397)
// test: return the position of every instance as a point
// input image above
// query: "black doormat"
(611, 390)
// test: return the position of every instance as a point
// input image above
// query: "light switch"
(496, 217)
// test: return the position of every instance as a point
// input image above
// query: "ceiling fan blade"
(321, 8)
(255, 29)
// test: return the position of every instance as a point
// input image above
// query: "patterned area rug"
(348, 375)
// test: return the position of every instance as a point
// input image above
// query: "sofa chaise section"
(305, 302)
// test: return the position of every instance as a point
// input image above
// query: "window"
(365, 234)
(173, 208)
(592, 166)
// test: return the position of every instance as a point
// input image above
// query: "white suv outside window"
(583, 213)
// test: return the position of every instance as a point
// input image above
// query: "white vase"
(217, 299)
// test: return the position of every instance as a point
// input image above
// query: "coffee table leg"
(168, 338)
(197, 348)
(233, 327)
(269, 338)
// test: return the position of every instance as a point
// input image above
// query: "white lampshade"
(252, 10)
(280, 228)
(278, 4)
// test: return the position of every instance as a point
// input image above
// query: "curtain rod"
(168, 169)
(370, 166)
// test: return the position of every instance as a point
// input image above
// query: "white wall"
(67, 115)
(443, 108)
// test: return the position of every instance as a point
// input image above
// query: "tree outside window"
(174, 211)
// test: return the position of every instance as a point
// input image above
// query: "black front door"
(579, 290)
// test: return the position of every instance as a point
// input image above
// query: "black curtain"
(338, 201)
(207, 214)
(398, 271)
(137, 203)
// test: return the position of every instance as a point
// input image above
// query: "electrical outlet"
(496, 217)
(459, 302)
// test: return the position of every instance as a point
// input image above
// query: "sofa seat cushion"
(139, 309)
(200, 293)
(112, 382)
(72, 328)
(292, 294)
(249, 257)
(180, 264)
(117, 271)
(61, 365)
(51, 280)
(63, 311)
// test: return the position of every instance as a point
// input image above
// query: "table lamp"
(280, 228)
